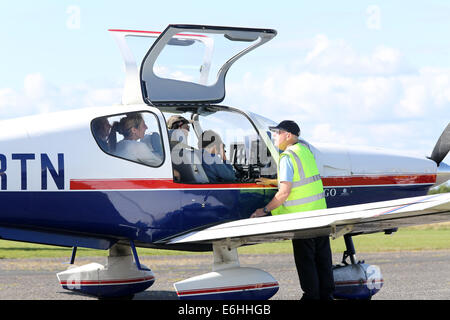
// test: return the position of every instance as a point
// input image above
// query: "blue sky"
(358, 72)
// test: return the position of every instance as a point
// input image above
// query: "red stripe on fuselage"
(135, 184)
(373, 180)
(95, 184)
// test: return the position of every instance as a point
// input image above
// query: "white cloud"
(102, 97)
(326, 132)
(341, 95)
(8, 98)
(338, 57)
(414, 101)
(40, 96)
(35, 86)
(321, 44)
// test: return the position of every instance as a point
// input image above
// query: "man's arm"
(286, 175)
(279, 198)
(266, 181)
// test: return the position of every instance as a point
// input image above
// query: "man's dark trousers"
(314, 267)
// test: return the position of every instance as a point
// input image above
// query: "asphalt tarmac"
(423, 275)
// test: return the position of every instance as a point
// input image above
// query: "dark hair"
(98, 123)
(132, 120)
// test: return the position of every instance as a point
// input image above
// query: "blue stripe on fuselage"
(141, 215)
(147, 216)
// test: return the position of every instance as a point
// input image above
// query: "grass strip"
(431, 237)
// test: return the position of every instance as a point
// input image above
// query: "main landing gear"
(355, 279)
(120, 277)
(228, 280)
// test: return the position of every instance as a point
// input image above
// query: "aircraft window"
(189, 62)
(197, 59)
(133, 136)
(223, 145)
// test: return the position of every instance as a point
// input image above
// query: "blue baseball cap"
(287, 125)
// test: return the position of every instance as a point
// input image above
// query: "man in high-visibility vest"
(300, 189)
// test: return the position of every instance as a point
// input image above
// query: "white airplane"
(66, 178)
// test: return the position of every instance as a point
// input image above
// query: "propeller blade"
(442, 146)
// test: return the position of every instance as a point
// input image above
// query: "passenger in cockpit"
(178, 130)
(178, 122)
(133, 128)
(102, 128)
(214, 160)
(178, 127)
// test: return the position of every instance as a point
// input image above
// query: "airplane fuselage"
(55, 179)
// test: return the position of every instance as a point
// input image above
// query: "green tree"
(441, 189)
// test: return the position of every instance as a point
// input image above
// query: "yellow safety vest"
(307, 188)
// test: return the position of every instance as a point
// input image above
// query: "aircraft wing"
(356, 219)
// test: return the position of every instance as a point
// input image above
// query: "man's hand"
(266, 181)
(258, 213)
(279, 198)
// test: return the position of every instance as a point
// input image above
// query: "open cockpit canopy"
(189, 72)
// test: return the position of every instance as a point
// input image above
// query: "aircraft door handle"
(203, 203)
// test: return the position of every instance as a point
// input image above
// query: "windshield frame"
(262, 124)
